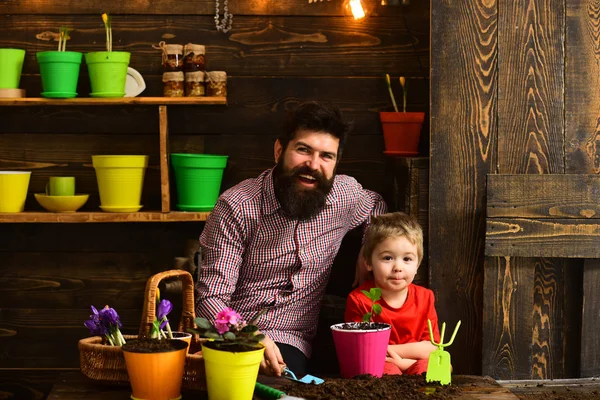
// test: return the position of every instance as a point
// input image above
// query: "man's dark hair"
(317, 117)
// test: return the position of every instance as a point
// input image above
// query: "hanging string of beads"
(225, 24)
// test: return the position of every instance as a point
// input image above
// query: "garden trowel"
(287, 373)
(439, 367)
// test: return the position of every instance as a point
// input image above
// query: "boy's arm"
(415, 350)
(397, 360)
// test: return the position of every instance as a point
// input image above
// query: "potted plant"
(232, 355)
(361, 347)
(401, 130)
(107, 69)
(161, 329)
(59, 69)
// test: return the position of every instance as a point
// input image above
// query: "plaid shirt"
(254, 258)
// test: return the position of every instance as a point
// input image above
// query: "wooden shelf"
(165, 215)
(83, 217)
(90, 101)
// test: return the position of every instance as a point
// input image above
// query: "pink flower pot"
(361, 351)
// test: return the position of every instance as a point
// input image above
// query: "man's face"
(304, 173)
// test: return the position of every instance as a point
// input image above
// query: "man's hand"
(272, 362)
(361, 274)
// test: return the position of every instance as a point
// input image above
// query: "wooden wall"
(279, 53)
(514, 90)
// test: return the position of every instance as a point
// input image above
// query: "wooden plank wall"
(527, 89)
(279, 53)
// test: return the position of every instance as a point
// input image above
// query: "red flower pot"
(401, 132)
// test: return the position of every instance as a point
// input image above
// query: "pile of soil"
(409, 387)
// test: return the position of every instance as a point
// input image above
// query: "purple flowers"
(106, 323)
(161, 322)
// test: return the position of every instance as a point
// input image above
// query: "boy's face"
(394, 264)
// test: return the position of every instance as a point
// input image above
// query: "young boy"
(393, 251)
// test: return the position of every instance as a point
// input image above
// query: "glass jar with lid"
(194, 84)
(193, 57)
(216, 83)
(173, 84)
(172, 57)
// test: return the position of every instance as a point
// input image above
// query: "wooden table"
(74, 385)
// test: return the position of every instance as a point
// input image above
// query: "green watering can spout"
(439, 366)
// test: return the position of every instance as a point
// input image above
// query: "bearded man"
(270, 242)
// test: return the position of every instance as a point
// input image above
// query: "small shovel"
(287, 373)
(438, 367)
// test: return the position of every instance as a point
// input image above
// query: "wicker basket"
(106, 363)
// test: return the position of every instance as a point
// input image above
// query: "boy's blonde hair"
(396, 224)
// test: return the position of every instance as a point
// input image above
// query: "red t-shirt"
(409, 322)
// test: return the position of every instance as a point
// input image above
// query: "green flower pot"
(11, 65)
(108, 72)
(60, 73)
(198, 180)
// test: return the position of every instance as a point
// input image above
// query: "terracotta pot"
(401, 132)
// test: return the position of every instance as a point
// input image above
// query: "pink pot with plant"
(361, 347)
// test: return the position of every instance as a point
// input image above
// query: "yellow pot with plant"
(401, 130)
(232, 355)
(107, 69)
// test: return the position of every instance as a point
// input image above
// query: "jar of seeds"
(193, 57)
(194, 84)
(173, 84)
(216, 83)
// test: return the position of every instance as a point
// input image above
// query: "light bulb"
(357, 9)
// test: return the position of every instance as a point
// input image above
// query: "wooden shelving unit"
(81, 217)
(90, 101)
(165, 215)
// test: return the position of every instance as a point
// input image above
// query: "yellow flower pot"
(120, 181)
(13, 190)
(231, 375)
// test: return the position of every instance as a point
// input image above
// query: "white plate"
(134, 83)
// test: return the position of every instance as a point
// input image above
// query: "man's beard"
(298, 202)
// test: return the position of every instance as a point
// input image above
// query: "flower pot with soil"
(401, 130)
(232, 355)
(361, 347)
(155, 367)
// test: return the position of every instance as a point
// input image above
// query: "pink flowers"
(227, 319)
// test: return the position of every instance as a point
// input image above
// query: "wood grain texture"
(463, 140)
(200, 7)
(407, 190)
(256, 105)
(508, 334)
(165, 191)
(27, 384)
(590, 340)
(582, 136)
(543, 196)
(531, 141)
(268, 46)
